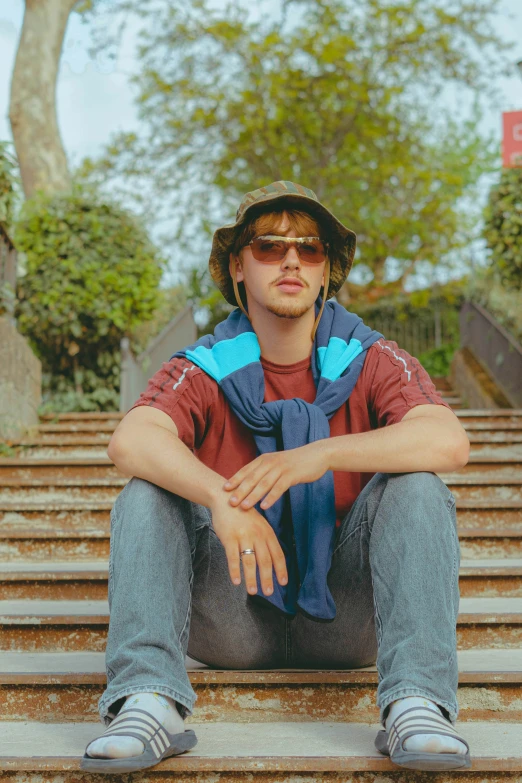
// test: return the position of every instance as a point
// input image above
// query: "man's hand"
(237, 530)
(272, 474)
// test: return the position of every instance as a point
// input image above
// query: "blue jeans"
(394, 579)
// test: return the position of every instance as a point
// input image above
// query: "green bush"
(92, 276)
(437, 361)
(503, 228)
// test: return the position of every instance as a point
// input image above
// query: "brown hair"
(267, 223)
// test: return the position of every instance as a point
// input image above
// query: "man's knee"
(422, 485)
(137, 494)
(141, 499)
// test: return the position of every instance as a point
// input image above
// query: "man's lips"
(290, 284)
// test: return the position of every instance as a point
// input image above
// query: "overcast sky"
(95, 99)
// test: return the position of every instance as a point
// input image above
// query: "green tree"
(503, 228)
(92, 276)
(341, 96)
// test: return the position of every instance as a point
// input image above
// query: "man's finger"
(278, 489)
(248, 484)
(232, 553)
(249, 569)
(238, 477)
(263, 486)
(278, 559)
(264, 563)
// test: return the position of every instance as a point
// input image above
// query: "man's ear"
(235, 267)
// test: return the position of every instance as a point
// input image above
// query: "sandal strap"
(427, 722)
(141, 725)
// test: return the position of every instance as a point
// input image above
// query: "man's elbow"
(115, 449)
(461, 451)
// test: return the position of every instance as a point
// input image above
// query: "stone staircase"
(300, 725)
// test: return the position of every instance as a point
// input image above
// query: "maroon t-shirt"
(391, 382)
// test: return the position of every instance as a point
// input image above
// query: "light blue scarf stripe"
(228, 356)
(337, 356)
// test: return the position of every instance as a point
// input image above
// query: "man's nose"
(292, 257)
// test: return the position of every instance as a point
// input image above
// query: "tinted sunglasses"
(273, 248)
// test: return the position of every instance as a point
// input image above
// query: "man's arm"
(428, 438)
(431, 439)
(145, 444)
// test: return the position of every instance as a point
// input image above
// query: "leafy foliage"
(437, 361)
(503, 228)
(92, 276)
(339, 96)
(404, 306)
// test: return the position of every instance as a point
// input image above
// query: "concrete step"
(287, 750)
(116, 416)
(39, 625)
(461, 484)
(493, 414)
(89, 427)
(92, 416)
(67, 686)
(55, 444)
(494, 466)
(79, 449)
(78, 427)
(494, 437)
(441, 383)
(38, 490)
(494, 433)
(61, 532)
(80, 531)
(87, 580)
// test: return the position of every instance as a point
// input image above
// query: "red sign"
(512, 139)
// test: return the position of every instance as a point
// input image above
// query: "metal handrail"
(498, 351)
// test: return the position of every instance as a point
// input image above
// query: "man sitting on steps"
(330, 437)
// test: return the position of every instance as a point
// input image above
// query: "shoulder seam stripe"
(171, 377)
(182, 376)
(400, 358)
(421, 387)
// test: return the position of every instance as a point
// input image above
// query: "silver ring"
(248, 551)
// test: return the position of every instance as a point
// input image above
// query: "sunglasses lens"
(271, 250)
(312, 252)
(268, 249)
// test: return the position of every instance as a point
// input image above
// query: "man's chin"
(288, 309)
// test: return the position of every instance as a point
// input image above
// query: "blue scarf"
(304, 517)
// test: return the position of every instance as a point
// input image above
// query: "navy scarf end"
(265, 602)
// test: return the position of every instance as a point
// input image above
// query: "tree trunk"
(32, 111)
(377, 268)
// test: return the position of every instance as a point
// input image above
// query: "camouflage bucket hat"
(342, 240)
